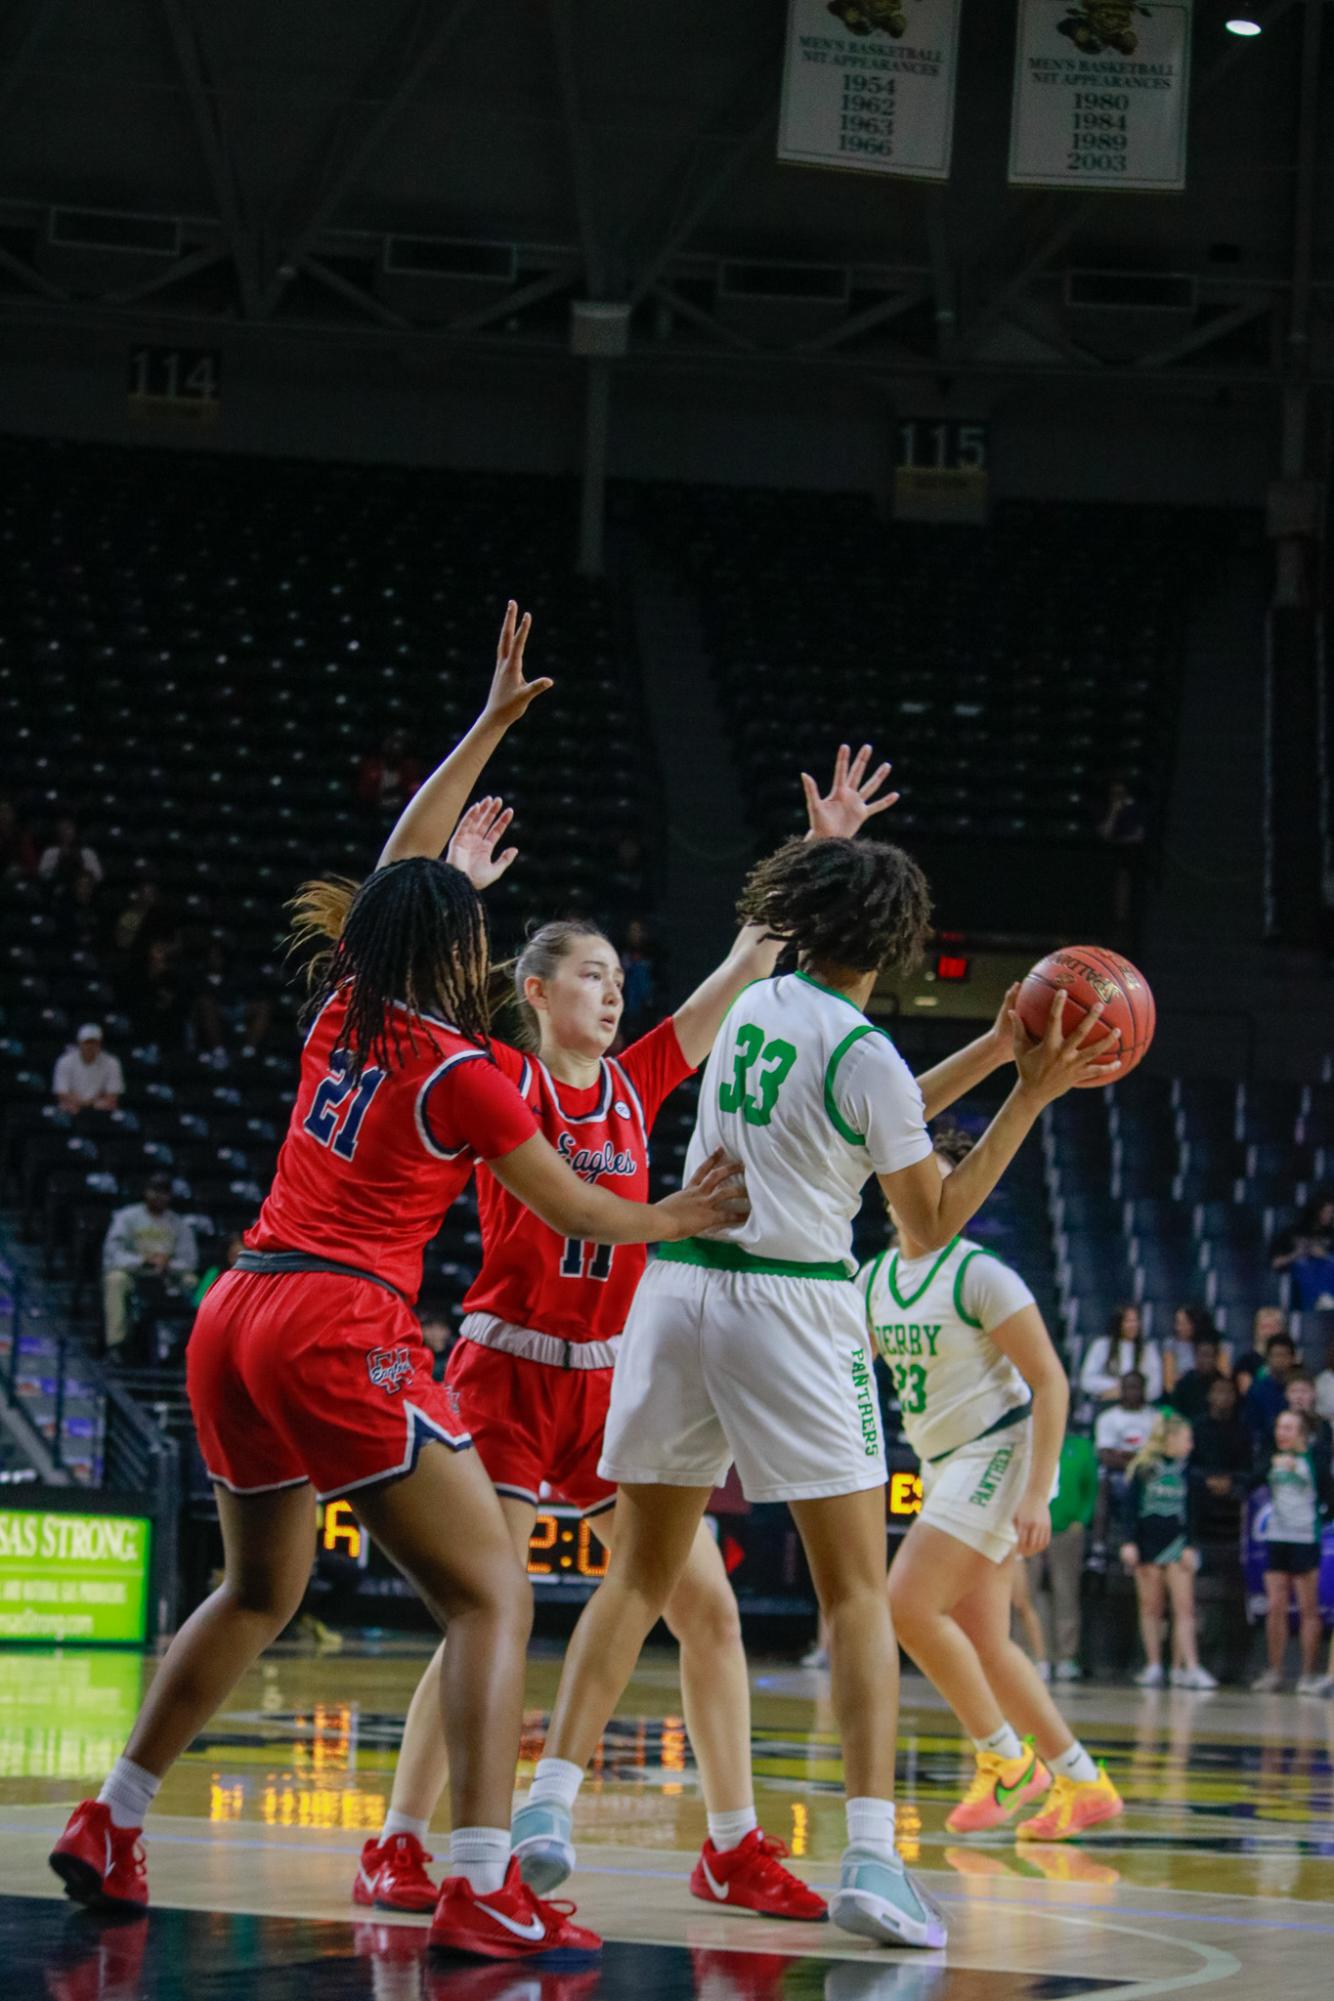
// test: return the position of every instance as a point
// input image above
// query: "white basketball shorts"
(771, 1372)
(972, 1495)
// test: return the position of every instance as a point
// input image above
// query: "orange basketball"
(1088, 974)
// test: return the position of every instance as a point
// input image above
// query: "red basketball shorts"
(534, 1426)
(312, 1376)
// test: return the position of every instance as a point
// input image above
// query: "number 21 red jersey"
(370, 1164)
(530, 1276)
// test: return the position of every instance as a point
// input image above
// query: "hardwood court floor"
(1221, 1874)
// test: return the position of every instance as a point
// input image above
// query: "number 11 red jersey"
(532, 1277)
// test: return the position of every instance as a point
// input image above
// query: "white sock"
(129, 1792)
(482, 1855)
(729, 1830)
(1004, 1742)
(871, 1825)
(1074, 1764)
(403, 1823)
(556, 1782)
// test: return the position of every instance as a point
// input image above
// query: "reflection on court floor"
(1225, 1856)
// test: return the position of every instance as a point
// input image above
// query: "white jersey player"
(984, 1402)
(751, 1346)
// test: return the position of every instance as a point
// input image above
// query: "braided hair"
(414, 933)
(850, 906)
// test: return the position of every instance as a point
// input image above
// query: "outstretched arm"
(840, 813)
(429, 818)
(947, 1081)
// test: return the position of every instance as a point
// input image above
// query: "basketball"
(1089, 974)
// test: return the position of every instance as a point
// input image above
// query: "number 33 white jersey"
(812, 1098)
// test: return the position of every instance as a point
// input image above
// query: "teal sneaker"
(540, 1837)
(878, 1899)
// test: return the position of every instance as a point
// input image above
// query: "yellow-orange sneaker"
(1001, 1788)
(1073, 1809)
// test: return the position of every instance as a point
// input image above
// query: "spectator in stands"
(149, 1252)
(156, 998)
(87, 1077)
(1301, 1495)
(67, 857)
(387, 778)
(1324, 1384)
(1116, 1353)
(1124, 1425)
(1269, 1321)
(1122, 823)
(438, 1336)
(82, 919)
(1190, 1323)
(1311, 1269)
(1268, 1394)
(1061, 1564)
(636, 958)
(1221, 1462)
(1312, 1236)
(1161, 1549)
(1300, 1394)
(18, 850)
(1190, 1393)
(231, 1251)
(141, 917)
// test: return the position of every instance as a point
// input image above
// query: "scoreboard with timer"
(564, 1549)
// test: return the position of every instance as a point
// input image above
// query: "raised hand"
(473, 848)
(511, 695)
(850, 801)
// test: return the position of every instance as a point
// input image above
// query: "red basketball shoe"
(100, 1864)
(509, 1923)
(392, 1875)
(751, 1877)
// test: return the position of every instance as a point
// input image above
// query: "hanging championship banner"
(1100, 94)
(869, 84)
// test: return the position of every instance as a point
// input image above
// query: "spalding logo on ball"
(1087, 974)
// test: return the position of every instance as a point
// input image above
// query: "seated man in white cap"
(149, 1251)
(87, 1077)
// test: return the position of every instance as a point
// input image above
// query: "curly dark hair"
(859, 906)
(412, 941)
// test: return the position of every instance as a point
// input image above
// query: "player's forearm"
(753, 957)
(1051, 1409)
(963, 1192)
(948, 1081)
(428, 820)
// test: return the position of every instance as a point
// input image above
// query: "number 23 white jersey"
(931, 1321)
(812, 1098)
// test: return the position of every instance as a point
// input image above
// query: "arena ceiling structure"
(469, 171)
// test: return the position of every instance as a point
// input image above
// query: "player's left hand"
(511, 695)
(1032, 1522)
(473, 847)
(1001, 1034)
(850, 801)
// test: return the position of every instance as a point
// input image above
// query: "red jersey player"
(533, 1368)
(306, 1369)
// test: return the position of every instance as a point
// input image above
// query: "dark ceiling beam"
(707, 322)
(1204, 336)
(188, 266)
(41, 16)
(406, 59)
(356, 295)
(44, 287)
(579, 146)
(870, 317)
(204, 102)
(549, 285)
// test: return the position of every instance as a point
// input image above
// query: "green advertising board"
(74, 1577)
